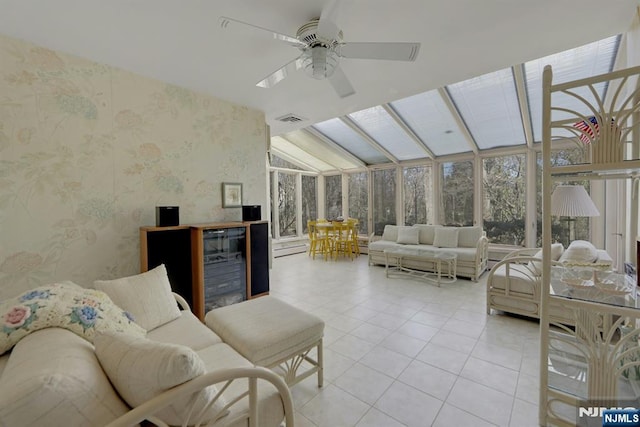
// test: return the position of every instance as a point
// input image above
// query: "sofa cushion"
(186, 330)
(427, 233)
(446, 237)
(580, 251)
(468, 236)
(141, 369)
(381, 245)
(283, 329)
(146, 296)
(556, 251)
(408, 235)
(54, 379)
(390, 233)
(521, 279)
(64, 305)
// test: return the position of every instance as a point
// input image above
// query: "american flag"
(587, 132)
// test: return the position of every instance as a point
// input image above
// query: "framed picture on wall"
(231, 195)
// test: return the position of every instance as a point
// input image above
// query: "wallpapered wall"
(86, 153)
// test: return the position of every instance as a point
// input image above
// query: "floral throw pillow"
(62, 305)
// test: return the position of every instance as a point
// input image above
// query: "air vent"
(290, 118)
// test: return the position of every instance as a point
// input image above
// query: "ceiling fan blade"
(226, 22)
(281, 73)
(371, 50)
(327, 27)
(341, 83)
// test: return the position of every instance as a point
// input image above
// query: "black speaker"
(167, 216)
(259, 235)
(251, 213)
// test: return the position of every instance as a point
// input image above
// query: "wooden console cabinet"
(210, 265)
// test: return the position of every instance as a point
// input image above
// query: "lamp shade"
(572, 200)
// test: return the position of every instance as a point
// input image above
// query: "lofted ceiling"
(181, 42)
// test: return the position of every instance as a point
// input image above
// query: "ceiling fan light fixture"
(319, 62)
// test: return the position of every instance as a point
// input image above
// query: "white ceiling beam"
(292, 159)
(521, 92)
(458, 118)
(416, 139)
(311, 154)
(334, 146)
(375, 144)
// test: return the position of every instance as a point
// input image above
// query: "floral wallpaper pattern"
(86, 153)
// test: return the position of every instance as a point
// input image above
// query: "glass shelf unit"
(592, 356)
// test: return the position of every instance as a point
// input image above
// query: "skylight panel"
(337, 131)
(380, 126)
(489, 106)
(430, 119)
(585, 61)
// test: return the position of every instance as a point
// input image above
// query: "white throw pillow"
(580, 251)
(146, 296)
(408, 235)
(141, 369)
(468, 236)
(556, 252)
(446, 237)
(427, 233)
(536, 266)
(390, 233)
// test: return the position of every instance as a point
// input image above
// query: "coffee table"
(443, 264)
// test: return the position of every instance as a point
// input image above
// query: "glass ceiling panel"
(429, 117)
(489, 106)
(337, 131)
(285, 147)
(315, 147)
(380, 126)
(585, 61)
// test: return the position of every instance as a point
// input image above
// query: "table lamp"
(572, 201)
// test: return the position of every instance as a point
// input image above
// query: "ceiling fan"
(322, 46)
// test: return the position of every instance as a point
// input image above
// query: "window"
(418, 197)
(333, 196)
(457, 194)
(287, 204)
(504, 199)
(559, 226)
(279, 162)
(359, 199)
(309, 200)
(384, 199)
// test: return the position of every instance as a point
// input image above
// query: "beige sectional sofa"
(67, 374)
(469, 243)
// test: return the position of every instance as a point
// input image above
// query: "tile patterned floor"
(400, 352)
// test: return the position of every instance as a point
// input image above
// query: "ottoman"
(273, 334)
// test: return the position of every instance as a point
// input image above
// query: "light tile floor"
(401, 352)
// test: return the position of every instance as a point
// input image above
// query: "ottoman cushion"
(265, 330)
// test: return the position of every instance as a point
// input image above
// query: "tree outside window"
(384, 199)
(359, 199)
(504, 201)
(309, 200)
(418, 197)
(333, 196)
(287, 204)
(457, 194)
